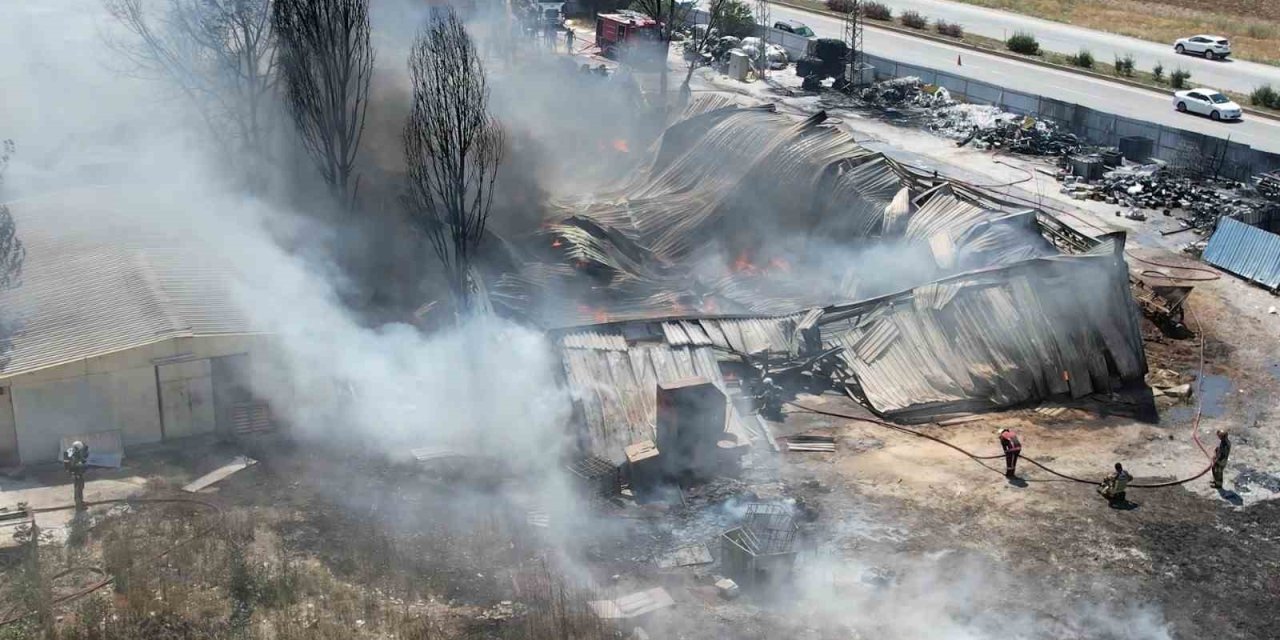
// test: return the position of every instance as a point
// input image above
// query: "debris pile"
(1159, 188)
(1269, 185)
(985, 127)
(1025, 135)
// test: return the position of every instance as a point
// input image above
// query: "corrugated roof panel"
(697, 336)
(593, 340)
(1246, 251)
(618, 390)
(675, 334)
(1005, 337)
(97, 280)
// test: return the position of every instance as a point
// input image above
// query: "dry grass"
(246, 581)
(1252, 25)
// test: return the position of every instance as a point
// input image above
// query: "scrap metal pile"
(982, 126)
(1202, 201)
(726, 255)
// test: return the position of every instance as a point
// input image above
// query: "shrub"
(1124, 66)
(842, 6)
(1084, 59)
(1265, 96)
(1157, 72)
(1024, 43)
(1178, 79)
(914, 20)
(953, 29)
(877, 11)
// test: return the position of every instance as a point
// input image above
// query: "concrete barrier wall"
(1232, 159)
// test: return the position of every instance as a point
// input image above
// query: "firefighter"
(1113, 486)
(1220, 455)
(568, 40)
(1012, 448)
(76, 460)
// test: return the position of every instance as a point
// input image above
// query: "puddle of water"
(1214, 391)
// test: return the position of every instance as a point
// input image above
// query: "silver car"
(1207, 102)
(1211, 47)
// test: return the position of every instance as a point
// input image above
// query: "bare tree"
(221, 54)
(327, 62)
(453, 147)
(700, 39)
(12, 252)
(670, 16)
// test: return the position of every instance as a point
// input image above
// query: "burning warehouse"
(919, 297)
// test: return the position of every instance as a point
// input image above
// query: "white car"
(1207, 102)
(1211, 47)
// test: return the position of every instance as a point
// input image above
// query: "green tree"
(737, 19)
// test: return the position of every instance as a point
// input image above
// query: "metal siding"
(1246, 251)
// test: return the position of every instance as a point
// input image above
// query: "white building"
(122, 334)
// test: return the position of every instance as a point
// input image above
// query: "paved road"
(1230, 75)
(1095, 93)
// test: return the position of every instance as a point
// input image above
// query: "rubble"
(982, 126)
(727, 588)
(1156, 187)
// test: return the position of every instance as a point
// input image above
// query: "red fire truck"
(629, 35)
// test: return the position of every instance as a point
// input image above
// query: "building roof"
(1062, 325)
(993, 313)
(99, 278)
(1246, 251)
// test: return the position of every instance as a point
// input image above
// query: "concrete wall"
(1230, 159)
(124, 391)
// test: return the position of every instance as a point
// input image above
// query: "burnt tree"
(220, 54)
(453, 147)
(326, 62)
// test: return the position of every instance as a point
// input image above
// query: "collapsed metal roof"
(745, 227)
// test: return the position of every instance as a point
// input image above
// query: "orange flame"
(555, 244)
(743, 263)
(780, 264)
(599, 315)
(621, 146)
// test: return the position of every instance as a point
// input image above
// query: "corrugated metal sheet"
(594, 340)
(1246, 251)
(995, 339)
(97, 281)
(617, 391)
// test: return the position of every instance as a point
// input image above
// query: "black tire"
(1208, 55)
(1179, 49)
(1214, 115)
(1182, 107)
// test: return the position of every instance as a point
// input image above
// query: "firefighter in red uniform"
(1012, 449)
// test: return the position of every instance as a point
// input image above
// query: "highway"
(1227, 75)
(1096, 93)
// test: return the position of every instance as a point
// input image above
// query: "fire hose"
(109, 579)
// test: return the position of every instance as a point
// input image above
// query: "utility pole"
(762, 19)
(853, 42)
